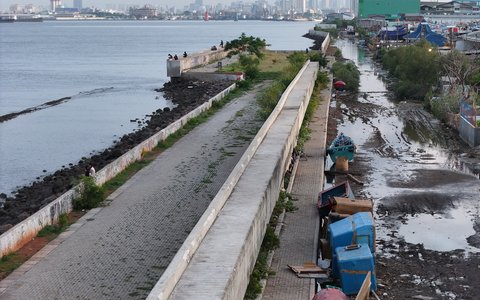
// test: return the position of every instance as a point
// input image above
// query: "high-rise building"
(77, 4)
(55, 4)
(301, 6)
(354, 7)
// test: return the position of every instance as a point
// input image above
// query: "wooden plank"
(307, 268)
(365, 288)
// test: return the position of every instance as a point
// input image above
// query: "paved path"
(297, 239)
(121, 252)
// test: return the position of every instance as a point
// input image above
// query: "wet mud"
(186, 96)
(45, 105)
(424, 181)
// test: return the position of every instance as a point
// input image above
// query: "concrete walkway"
(297, 239)
(121, 251)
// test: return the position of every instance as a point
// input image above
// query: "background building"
(368, 8)
(77, 4)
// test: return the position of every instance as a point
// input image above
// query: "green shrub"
(268, 99)
(347, 72)
(416, 69)
(338, 54)
(318, 56)
(297, 59)
(250, 65)
(91, 195)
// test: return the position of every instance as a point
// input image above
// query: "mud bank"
(415, 191)
(185, 94)
(45, 105)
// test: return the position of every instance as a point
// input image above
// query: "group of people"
(175, 57)
(214, 48)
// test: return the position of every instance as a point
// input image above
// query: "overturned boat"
(341, 146)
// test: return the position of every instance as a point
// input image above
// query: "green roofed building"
(368, 8)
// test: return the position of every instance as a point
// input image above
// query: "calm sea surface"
(110, 69)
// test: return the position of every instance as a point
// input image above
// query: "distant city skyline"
(103, 4)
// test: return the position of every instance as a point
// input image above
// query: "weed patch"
(91, 195)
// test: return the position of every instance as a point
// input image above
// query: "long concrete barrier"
(173, 274)
(209, 76)
(23, 232)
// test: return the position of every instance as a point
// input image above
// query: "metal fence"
(469, 113)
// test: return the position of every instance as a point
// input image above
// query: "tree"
(246, 43)
(347, 72)
(416, 69)
(459, 69)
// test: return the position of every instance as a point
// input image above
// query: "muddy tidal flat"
(424, 181)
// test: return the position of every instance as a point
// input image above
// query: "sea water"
(109, 69)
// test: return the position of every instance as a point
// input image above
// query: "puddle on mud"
(397, 140)
(455, 228)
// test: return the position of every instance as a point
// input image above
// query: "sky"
(5, 4)
(102, 4)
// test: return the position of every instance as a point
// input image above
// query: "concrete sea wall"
(22, 233)
(216, 259)
(207, 76)
(175, 68)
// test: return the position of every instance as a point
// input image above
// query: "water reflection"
(398, 139)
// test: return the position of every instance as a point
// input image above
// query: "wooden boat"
(342, 145)
(325, 198)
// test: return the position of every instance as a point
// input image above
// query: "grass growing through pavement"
(304, 134)
(8, 263)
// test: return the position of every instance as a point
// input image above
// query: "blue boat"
(325, 197)
(342, 145)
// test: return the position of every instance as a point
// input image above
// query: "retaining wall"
(468, 133)
(22, 233)
(175, 68)
(231, 240)
(208, 76)
(326, 43)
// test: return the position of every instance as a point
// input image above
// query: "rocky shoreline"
(185, 94)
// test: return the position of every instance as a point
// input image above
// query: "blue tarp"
(424, 31)
(395, 33)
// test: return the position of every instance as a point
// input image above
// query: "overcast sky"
(5, 4)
